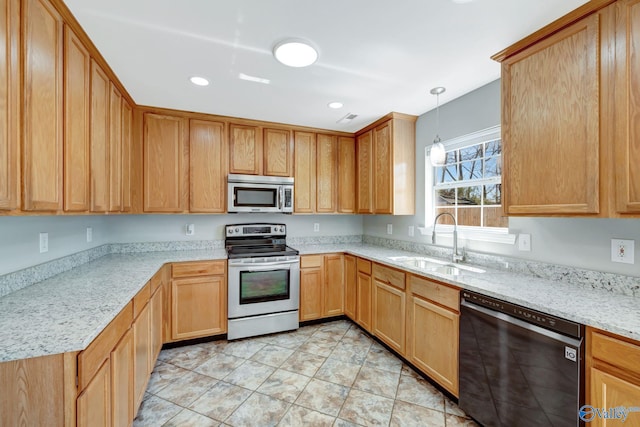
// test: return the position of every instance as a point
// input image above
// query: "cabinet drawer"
(309, 261)
(364, 266)
(90, 360)
(389, 275)
(436, 292)
(141, 299)
(198, 268)
(616, 352)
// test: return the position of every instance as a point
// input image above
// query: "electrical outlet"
(190, 229)
(316, 226)
(524, 242)
(412, 231)
(389, 228)
(622, 251)
(89, 234)
(44, 242)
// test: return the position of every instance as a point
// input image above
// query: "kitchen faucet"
(455, 257)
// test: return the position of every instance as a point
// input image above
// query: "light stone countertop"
(66, 312)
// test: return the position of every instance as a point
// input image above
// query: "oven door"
(263, 288)
(248, 197)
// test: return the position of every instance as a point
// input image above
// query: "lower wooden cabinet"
(156, 307)
(364, 292)
(321, 286)
(389, 306)
(350, 289)
(142, 350)
(94, 403)
(122, 373)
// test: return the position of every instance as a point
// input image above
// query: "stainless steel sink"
(449, 270)
(436, 265)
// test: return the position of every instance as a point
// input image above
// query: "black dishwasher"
(519, 367)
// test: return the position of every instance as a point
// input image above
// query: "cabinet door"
(326, 173)
(333, 285)
(388, 315)
(627, 104)
(156, 326)
(99, 139)
(77, 102)
(434, 342)
(346, 175)
(364, 146)
(198, 307)
(9, 104)
(382, 165)
(363, 295)
(127, 134)
(245, 150)
(165, 163)
(311, 283)
(551, 124)
(122, 374)
(142, 344)
(42, 106)
(277, 152)
(207, 167)
(94, 403)
(304, 172)
(115, 149)
(350, 289)
(610, 391)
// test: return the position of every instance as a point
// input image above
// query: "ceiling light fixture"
(243, 76)
(199, 81)
(295, 53)
(438, 155)
(335, 105)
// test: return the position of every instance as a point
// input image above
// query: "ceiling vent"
(348, 118)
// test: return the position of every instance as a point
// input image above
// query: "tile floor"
(331, 374)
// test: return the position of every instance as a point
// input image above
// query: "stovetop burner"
(257, 240)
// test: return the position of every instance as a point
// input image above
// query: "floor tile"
(350, 352)
(323, 397)
(456, 421)
(410, 415)
(284, 385)
(344, 423)
(338, 372)
(419, 392)
(219, 365)
(366, 408)
(186, 357)
(328, 335)
(382, 358)
(303, 363)
(186, 389)
(356, 336)
(272, 355)
(321, 348)
(155, 411)
(289, 340)
(242, 348)
(162, 375)
(249, 375)
(377, 381)
(451, 408)
(298, 416)
(188, 418)
(408, 370)
(258, 410)
(220, 401)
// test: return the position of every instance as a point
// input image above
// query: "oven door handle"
(264, 264)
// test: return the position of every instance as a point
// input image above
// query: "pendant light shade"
(438, 154)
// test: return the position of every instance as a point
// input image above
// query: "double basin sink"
(435, 265)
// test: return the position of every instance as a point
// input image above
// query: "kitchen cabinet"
(122, 374)
(99, 139)
(77, 102)
(42, 139)
(165, 163)
(142, 345)
(127, 135)
(10, 106)
(156, 310)
(350, 287)
(304, 194)
(333, 285)
(389, 306)
(321, 286)
(245, 149)
(115, 149)
(94, 403)
(613, 373)
(346, 175)
(364, 294)
(433, 318)
(364, 146)
(326, 173)
(278, 147)
(198, 299)
(207, 167)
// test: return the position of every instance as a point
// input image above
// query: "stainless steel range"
(264, 280)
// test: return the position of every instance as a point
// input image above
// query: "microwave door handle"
(281, 196)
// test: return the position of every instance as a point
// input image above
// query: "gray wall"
(579, 242)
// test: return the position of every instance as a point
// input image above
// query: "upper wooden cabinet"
(346, 174)
(326, 173)
(386, 166)
(42, 139)
(115, 149)
(77, 102)
(166, 160)
(99, 139)
(9, 104)
(277, 152)
(127, 135)
(245, 149)
(304, 200)
(207, 167)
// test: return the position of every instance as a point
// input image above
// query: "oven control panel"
(255, 230)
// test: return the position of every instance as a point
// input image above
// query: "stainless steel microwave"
(253, 193)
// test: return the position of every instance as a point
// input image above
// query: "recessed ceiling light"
(199, 81)
(243, 76)
(335, 105)
(295, 53)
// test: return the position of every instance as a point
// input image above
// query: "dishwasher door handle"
(521, 323)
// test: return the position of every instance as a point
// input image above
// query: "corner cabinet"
(386, 166)
(321, 286)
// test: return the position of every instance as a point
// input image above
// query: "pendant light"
(438, 155)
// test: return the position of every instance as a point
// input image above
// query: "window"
(469, 185)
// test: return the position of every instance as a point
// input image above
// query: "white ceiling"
(375, 56)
